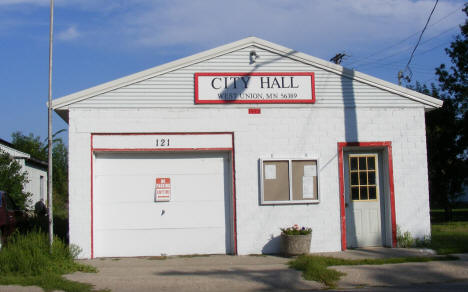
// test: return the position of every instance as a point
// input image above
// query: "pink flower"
(296, 227)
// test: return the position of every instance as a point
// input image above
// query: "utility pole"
(49, 105)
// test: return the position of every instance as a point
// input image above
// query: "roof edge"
(63, 102)
(150, 73)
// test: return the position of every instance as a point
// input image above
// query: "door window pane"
(363, 193)
(363, 178)
(371, 176)
(362, 163)
(353, 161)
(371, 163)
(354, 178)
(372, 192)
(355, 193)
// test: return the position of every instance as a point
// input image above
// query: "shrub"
(28, 255)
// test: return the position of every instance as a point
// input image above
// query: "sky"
(96, 41)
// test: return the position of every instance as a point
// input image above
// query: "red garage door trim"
(231, 150)
(387, 145)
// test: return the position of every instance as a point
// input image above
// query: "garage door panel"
(178, 215)
(138, 164)
(164, 241)
(142, 188)
(127, 221)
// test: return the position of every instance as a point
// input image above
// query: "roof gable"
(356, 78)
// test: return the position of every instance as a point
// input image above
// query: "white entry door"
(363, 200)
(195, 220)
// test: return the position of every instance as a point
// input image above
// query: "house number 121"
(162, 142)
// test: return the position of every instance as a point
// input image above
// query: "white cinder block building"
(215, 152)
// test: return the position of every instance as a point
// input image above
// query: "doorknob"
(346, 205)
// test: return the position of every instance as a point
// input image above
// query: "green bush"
(28, 255)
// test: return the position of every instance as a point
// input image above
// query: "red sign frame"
(287, 101)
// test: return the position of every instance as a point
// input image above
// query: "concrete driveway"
(264, 273)
(206, 273)
(268, 273)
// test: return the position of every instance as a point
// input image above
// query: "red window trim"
(386, 145)
(231, 150)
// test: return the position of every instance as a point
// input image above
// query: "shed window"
(289, 181)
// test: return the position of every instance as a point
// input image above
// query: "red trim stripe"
(164, 150)
(386, 145)
(158, 149)
(234, 201)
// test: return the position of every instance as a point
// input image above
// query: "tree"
(30, 144)
(38, 148)
(446, 128)
(12, 180)
(60, 178)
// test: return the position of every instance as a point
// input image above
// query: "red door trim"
(231, 150)
(386, 145)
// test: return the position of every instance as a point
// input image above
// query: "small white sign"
(163, 189)
(308, 187)
(270, 171)
(310, 170)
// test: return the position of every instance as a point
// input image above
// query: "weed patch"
(315, 268)
(25, 260)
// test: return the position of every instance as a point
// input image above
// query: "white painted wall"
(279, 131)
(33, 172)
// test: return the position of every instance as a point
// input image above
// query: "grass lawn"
(316, 267)
(438, 215)
(26, 261)
(450, 237)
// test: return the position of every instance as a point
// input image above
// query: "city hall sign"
(277, 87)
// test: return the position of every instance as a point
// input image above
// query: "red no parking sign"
(163, 189)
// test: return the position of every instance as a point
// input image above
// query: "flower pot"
(292, 245)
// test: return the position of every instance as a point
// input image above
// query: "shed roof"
(21, 154)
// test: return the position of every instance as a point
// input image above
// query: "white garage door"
(127, 221)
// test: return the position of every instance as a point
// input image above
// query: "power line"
(400, 60)
(402, 41)
(420, 36)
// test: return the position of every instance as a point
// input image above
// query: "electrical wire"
(361, 60)
(419, 40)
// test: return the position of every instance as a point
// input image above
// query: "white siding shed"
(349, 161)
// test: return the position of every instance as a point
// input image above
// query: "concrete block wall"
(278, 132)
